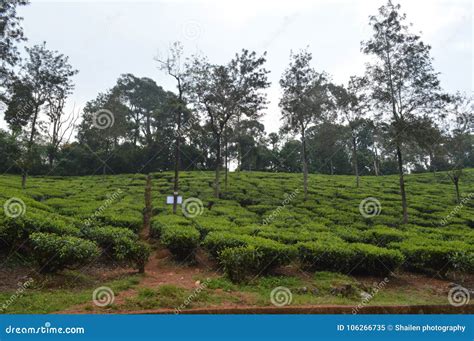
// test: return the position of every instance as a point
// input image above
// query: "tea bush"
(182, 241)
(261, 218)
(348, 258)
(54, 253)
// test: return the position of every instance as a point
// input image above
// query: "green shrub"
(325, 256)
(254, 256)
(382, 236)
(120, 244)
(210, 224)
(272, 253)
(373, 260)
(182, 241)
(132, 252)
(348, 258)
(240, 262)
(108, 236)
(424, 255)
(159, 222)
(218, 241)
(55, 253)
(349, 234)
(131, 220)
(16, 230)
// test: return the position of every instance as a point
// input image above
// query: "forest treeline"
(393, 118)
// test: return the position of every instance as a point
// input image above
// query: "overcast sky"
(105, 39)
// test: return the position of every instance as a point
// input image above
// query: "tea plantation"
(259, 224)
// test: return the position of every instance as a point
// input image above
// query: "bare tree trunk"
(239, 146)
(104, 167)
(28, 150)
(52, 151)
(402, 185)
(456, 185)
(177, 159)
(218, 168)
(354, 160)
(147, 212)
(226, 160)
(24, 174)
(376, 167)
(305, 165)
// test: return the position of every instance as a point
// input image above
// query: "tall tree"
(459, 142)
(11, 33)
(43, 75)
(61, 126)
(402, 78)
(173, 66)
(351, 104)
(145, 101)
(305, 101)
(103, 125)
(222, 92)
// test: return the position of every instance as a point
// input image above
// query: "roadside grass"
(323, 289)
(47, 300)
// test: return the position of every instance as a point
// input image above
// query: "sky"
(105, 39)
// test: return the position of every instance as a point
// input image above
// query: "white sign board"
(170, 200)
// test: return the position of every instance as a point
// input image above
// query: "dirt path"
(159, 270)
